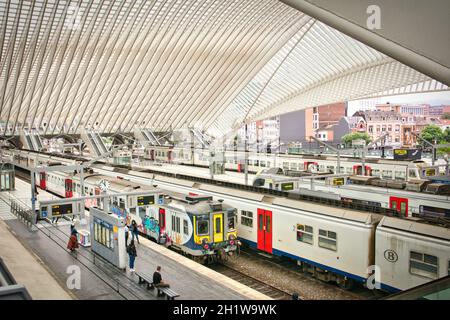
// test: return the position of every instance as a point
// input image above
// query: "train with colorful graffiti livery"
(196, 226)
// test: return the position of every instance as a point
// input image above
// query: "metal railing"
(22, 211)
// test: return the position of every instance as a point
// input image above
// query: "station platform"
(28, 270)
(101, 280)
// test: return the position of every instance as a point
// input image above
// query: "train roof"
(419, 226)
(341, 213)
(119, 185)
(198, 208)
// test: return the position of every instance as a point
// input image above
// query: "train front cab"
(216, 231)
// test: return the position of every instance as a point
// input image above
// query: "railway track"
(289, 266)
(268, 290)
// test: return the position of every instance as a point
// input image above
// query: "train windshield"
(202, 227)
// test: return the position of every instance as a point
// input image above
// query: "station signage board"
(407, 154)
(145, 200)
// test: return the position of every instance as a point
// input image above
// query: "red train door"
(399, 204)
(357, 169)
(42, 180)
(162, 220)
(264, 230)
(68, 185)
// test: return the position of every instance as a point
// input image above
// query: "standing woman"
(127, 232)
(134, 231)
(132, 254)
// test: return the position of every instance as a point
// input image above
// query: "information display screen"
(287, 186)
(62, 209)
(338, 181)
(145, 200)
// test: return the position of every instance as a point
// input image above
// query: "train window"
(387, 174)
(202, 227)
(399, 175)
(263, 163)
(258, 182)
(424, 265)
(231, 220)
(433, 211)
(247, 218)
(268, 227)
(412, 173)
(268, 163)
(448, 271)
(328, 239)
(173, 223)
(330, 169)
(286, 165)
(178, 225)
(376, 173)
(218, 226)
(185, 227)
(294, 166)
(305, 233)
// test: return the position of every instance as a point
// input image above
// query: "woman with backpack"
(134, 231)
(132, 254)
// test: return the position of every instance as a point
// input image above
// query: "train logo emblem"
(391, 255)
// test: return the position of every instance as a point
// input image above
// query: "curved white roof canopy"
(165, 64)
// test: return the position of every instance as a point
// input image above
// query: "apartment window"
(378, 128)
(389, 128)
(327, 239)
(370, 129)
(247, 218)
(424, 265)
(305, 233)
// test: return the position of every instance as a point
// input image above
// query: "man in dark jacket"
(157, 279)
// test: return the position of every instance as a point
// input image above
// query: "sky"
(432, 98)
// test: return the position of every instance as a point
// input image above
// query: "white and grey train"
(412, 198)
(382, 168)
(334, 244)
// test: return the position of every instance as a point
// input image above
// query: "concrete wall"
(292, 126)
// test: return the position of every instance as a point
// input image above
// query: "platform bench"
(143, 278)
(170, 294)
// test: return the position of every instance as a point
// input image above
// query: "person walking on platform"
(73, 242)
(134, 231)
(127, 233)
(132, 254)
(157, 279)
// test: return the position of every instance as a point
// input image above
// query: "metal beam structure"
(67, 66)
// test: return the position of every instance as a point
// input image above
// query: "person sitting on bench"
(157, 279)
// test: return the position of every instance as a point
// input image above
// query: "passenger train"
(415, 197)
(340, 242)
(197, 226)
(300, 164)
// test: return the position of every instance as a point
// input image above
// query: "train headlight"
(205, 244)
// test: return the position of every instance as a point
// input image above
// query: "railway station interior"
(235, 150)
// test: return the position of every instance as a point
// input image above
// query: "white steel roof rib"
(66, 65)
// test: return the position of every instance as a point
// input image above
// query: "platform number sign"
(391, 255)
